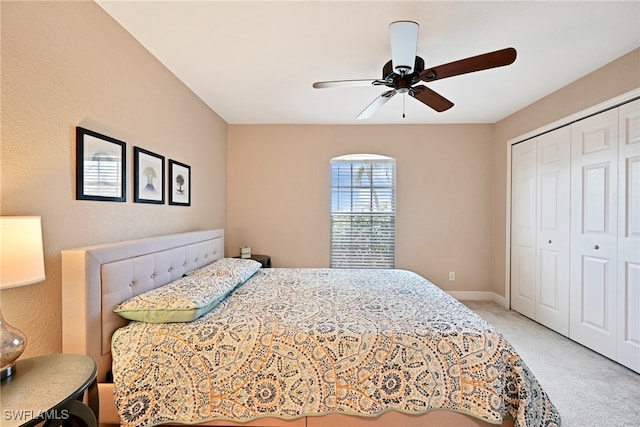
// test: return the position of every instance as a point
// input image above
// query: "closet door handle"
(549, 241)
(596, 247)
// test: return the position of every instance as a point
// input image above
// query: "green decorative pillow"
(240, 269)
(182, 300)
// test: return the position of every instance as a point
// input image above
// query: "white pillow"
(240, 269)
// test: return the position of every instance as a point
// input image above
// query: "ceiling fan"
(405, 70)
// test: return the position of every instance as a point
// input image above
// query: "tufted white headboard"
(96, 278)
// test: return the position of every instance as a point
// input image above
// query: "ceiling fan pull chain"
(403, 104)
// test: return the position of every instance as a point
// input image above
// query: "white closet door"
(629, 237)
(523, 227)
(553, 234)
(594, 175)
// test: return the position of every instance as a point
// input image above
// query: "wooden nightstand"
(47, 388)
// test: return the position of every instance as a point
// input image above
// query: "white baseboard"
(479, 296)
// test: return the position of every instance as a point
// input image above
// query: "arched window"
(363, 211)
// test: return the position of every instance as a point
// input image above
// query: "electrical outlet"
(452, 275)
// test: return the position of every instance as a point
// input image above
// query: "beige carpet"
(588, 389)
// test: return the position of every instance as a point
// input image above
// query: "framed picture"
(100, 161)
(179, 183)
(148, 177)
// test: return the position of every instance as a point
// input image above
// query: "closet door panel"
(594, 246)
(629, 237)
(629, 322)
(595, 299)
(523, 228)
(553, 230)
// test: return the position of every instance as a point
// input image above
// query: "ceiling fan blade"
(376, 104)
(485, 61)
(346, 83)
(404, 42)
(430, 98)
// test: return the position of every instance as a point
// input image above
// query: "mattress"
(306, 342)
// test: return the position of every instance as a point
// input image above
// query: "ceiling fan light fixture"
(404, 42)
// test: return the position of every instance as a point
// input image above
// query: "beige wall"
(612, 80)
(279, 194)
(66, 64)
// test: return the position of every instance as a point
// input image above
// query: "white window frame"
(362, 226)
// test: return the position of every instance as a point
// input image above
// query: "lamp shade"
(21, 254)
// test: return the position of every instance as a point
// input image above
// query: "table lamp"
(21, 263)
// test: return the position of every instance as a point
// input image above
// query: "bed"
(287, 347)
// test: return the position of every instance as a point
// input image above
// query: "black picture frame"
(148, 176)
(100, 167)
(179, 183)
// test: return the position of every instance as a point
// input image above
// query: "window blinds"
(363, 212)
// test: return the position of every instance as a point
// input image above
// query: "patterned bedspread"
(296, 342)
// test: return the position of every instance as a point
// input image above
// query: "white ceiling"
(255, 62)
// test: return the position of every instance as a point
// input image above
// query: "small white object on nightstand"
(245, 252)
